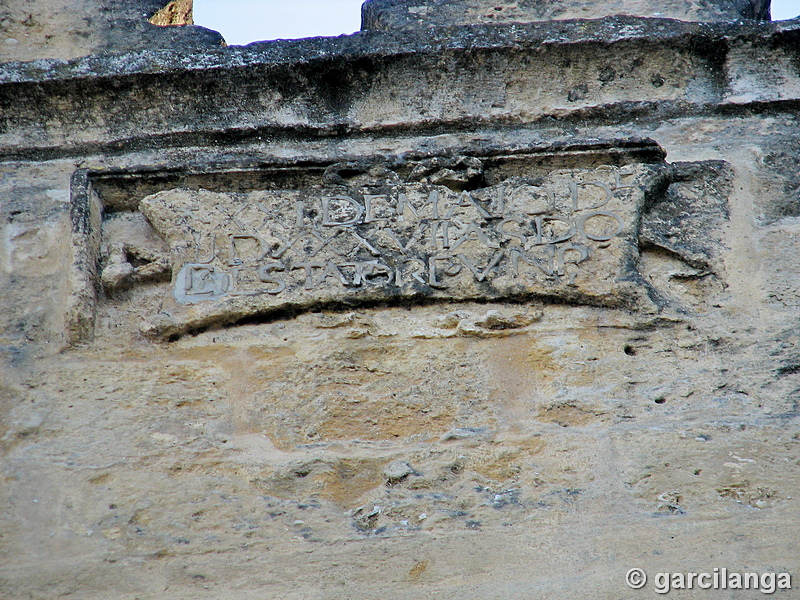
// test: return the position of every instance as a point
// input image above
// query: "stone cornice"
(618, 68)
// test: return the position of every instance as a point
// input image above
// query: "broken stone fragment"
(491, 324)
(359, 325)
(451, 320)
(120, 271)
(495, 324)
(465, 433)
(396, 471)
(495, 320)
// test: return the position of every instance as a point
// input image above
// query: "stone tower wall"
(447, 308)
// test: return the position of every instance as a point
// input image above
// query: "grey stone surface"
(567, 71)
(388, 15)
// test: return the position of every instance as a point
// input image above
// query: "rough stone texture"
(569, 236)
(465, 445)
(389, 15)
(64, 29)
(178, 12)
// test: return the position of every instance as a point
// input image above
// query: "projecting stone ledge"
(388, 15)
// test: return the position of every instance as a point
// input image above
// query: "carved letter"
(331, 270)
(600, 238)
(421, 268)
(231, 216)
(540, 229)
(466, 199)
(481, 275)
(618, 185)
(432, 281)
(365, 243)
(200, 282)
(416, 236)
(370, 217)
(574, 189)
(511, 234)
(213, 253)
(433, 198)
(336, 217)
(402, 203)
(516, 256)
(265, 275)
(325, 240)
(235, 259)
(561, 262)
(372, 269)
(310, 284)
(474, 228)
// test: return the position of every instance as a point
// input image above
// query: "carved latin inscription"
(571, 235)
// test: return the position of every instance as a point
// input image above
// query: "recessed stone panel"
(560, 225)
(571, 236)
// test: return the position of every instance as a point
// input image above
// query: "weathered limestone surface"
(64, 29)
(571, 236)
(472, 312)
(415, 14)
